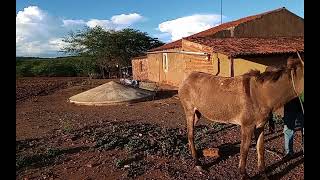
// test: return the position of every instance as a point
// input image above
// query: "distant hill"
(19, 58)
(28, 58)
(59, 66)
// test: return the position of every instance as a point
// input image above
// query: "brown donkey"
(244, 100)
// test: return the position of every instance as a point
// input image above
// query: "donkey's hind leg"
(192, 118)
(190, 127)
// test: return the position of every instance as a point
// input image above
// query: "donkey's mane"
(272, 75)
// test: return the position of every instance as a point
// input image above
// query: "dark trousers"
(291, 121)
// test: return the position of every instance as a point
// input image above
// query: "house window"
(165, 62)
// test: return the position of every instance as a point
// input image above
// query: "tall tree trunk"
(102, 72)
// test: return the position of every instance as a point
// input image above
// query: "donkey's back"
(217, 98)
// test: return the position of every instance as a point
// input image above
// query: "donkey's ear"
(290, 62)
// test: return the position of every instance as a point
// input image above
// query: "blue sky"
(41, 24)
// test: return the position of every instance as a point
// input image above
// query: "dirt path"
(146, 140)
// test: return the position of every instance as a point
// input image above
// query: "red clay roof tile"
(172, 45)
(250, 46)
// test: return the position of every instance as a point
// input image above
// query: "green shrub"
(63, 66)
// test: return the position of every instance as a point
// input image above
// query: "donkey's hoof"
(201, 170)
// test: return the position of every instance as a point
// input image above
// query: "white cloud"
(48, 48)
(116, 22)
(40, 34)
(188, 25)
(126, 19)
(70, 22)
(57, 43)
(30, 14)
(106, 24)
(34, 29)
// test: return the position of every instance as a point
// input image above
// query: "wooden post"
(218, 65)
(231, 66)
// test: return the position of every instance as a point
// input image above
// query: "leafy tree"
(109, 48)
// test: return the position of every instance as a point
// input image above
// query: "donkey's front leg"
(246, 135)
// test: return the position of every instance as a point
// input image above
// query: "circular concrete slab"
(110, 93)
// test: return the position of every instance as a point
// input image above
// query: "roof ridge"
(227, 24)
(271, 37)
(241, 20)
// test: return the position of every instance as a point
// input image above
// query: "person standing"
(293, 117)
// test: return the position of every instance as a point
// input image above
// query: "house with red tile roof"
(228, 50)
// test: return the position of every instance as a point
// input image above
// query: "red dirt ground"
(59, 140)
